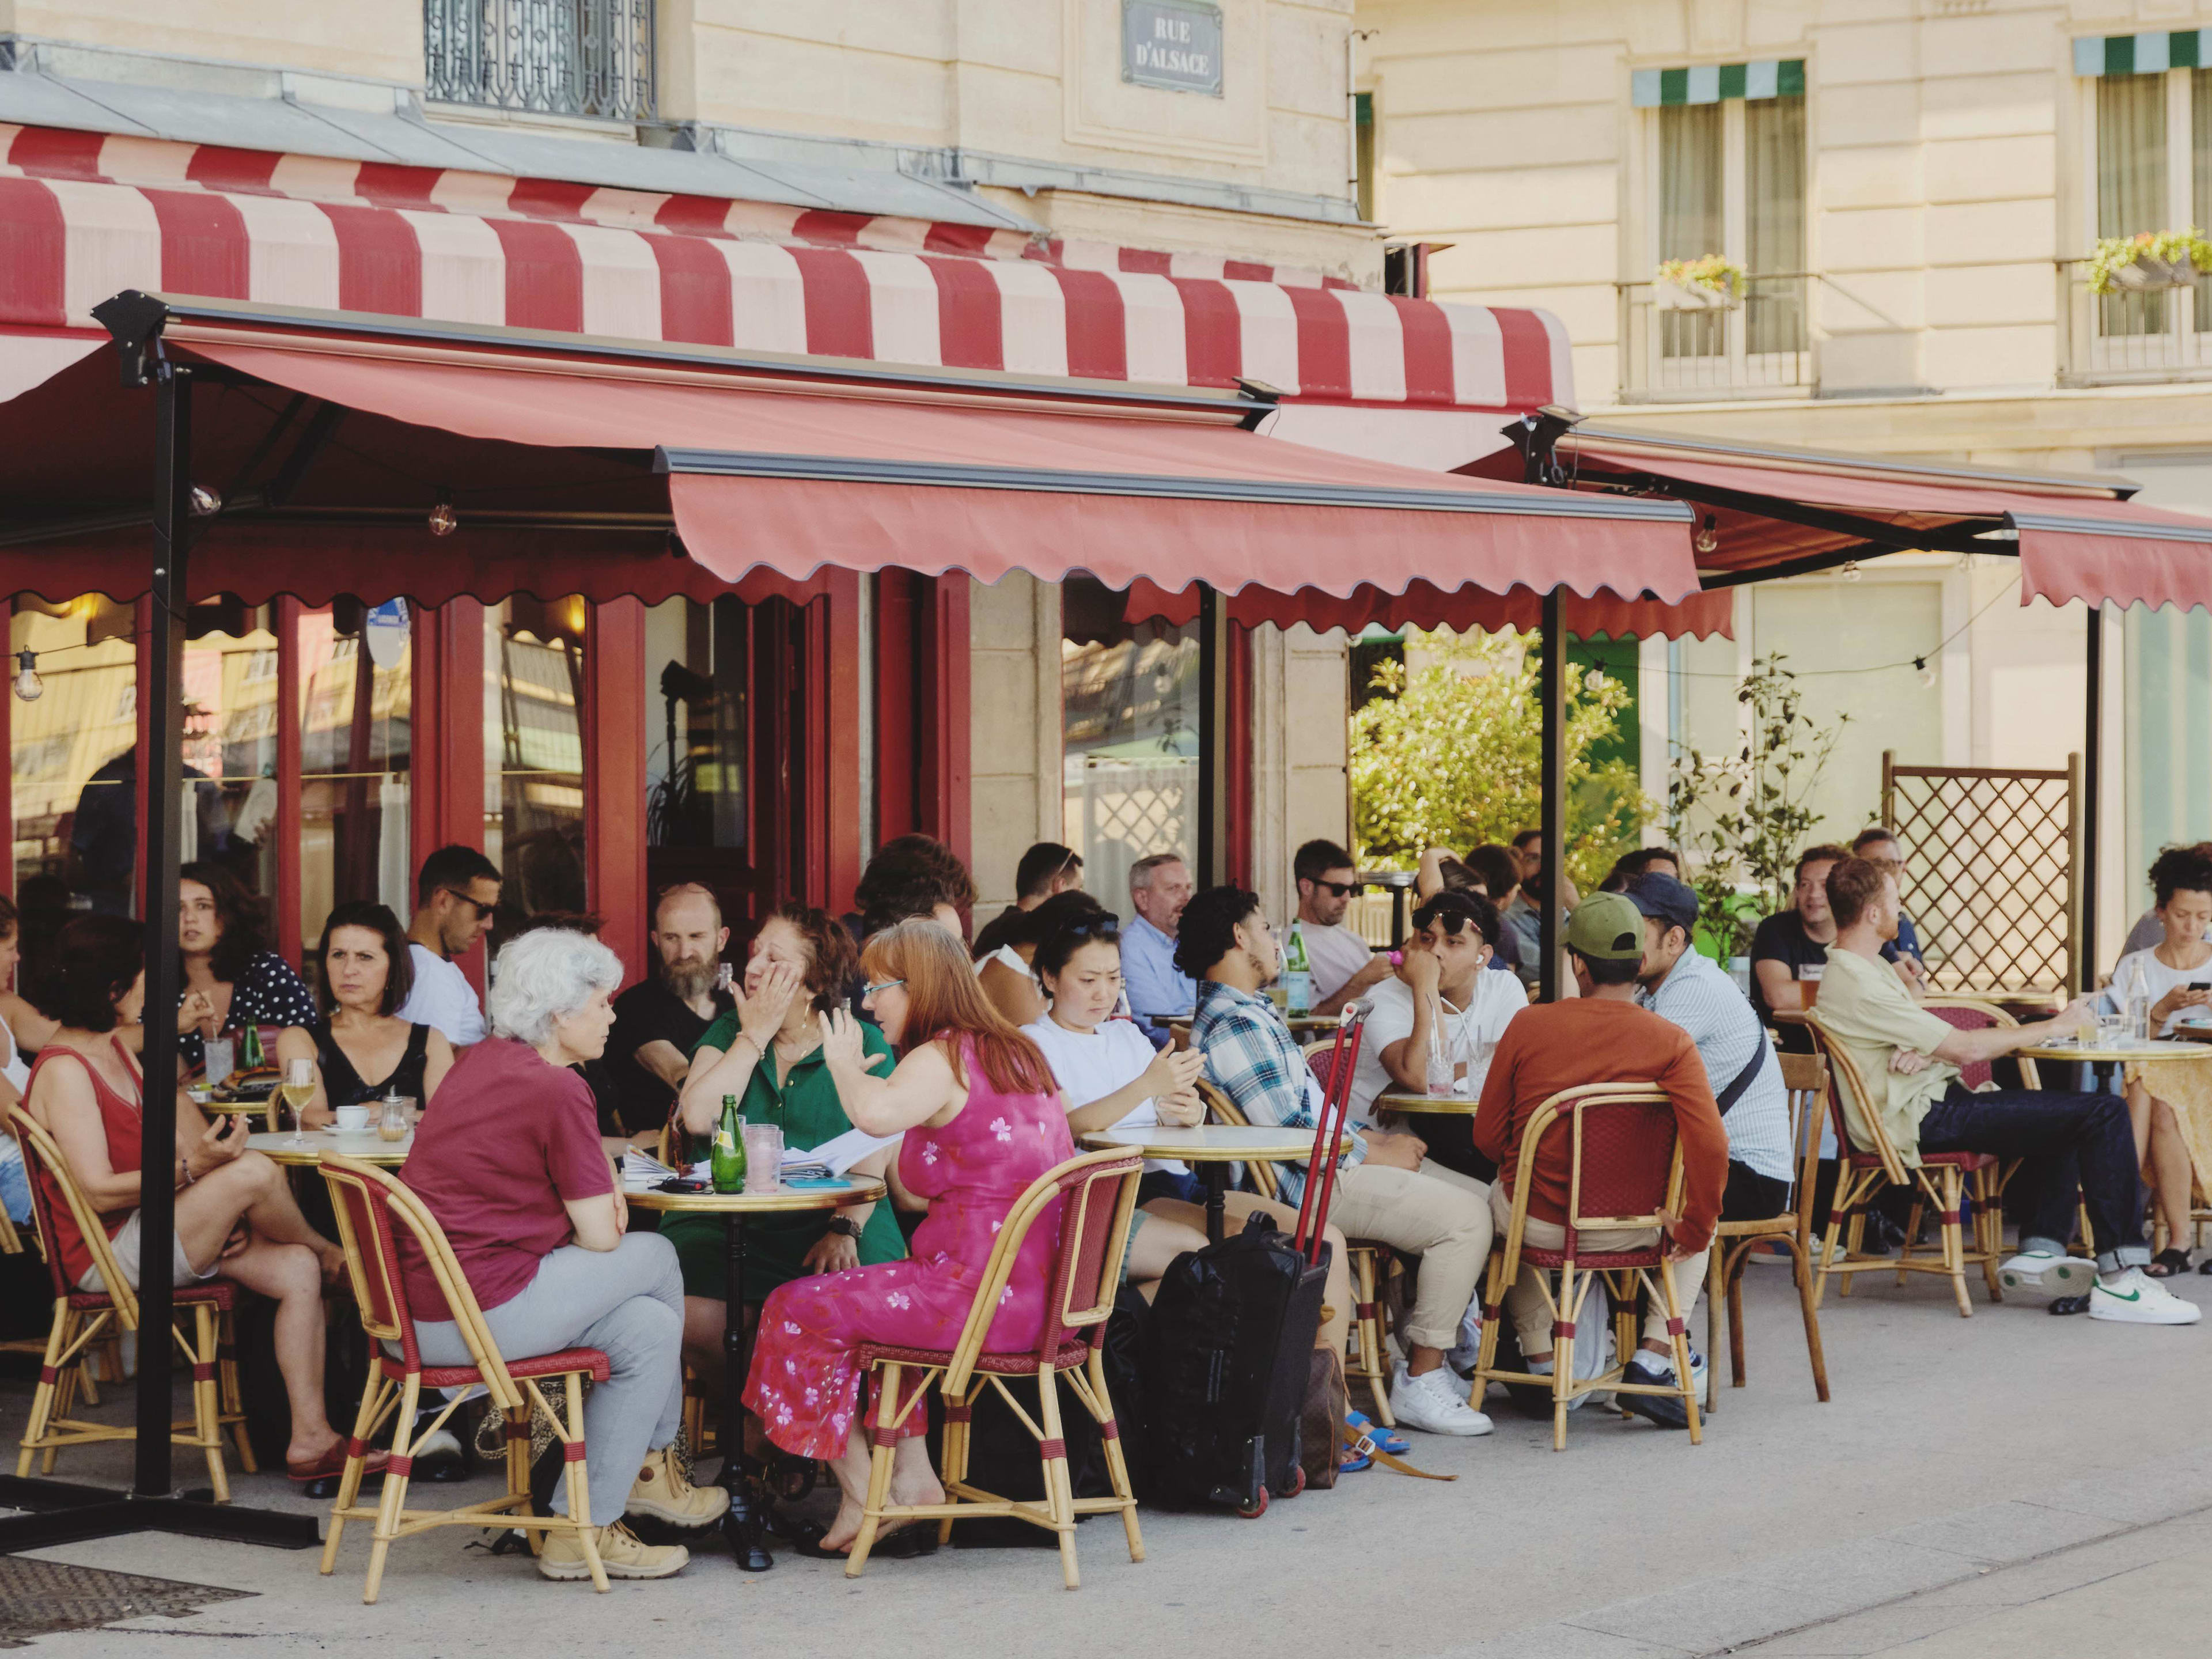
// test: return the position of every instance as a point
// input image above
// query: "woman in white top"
(2175, 974)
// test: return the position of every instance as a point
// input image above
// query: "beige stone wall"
(1299, 707)
(379, 38)
(1014, 730)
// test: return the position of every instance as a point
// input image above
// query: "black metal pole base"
(63, 1512)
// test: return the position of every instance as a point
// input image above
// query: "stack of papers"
(832, 1158)
(643, 1169)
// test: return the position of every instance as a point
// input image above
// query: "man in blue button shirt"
(1159, 886)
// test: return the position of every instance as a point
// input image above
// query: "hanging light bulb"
(28, 686)
(442, 521)
(1850, 570)
(1927, 674)
(205, 502)
(1707, 541)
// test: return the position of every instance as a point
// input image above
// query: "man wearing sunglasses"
(456, 898)
(1344, 964)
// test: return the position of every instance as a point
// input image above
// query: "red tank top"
(120, 1119)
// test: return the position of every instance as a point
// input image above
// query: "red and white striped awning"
(84, 215)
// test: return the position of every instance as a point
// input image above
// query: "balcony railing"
(1760, 347)
(584, 57)
(2106, 339)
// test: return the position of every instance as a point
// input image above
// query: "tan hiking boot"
(663, 1493)
(620, 1553)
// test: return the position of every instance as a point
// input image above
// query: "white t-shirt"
(1336, 954)
(1470, 1035)
(443, 999)
(13, 1068)
(1091, 1065)
(2142, 970)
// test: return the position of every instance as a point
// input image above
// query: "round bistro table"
(1213, 1147)
(749, 1518)
(366, 1145)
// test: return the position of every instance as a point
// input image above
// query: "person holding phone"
(2175, 977)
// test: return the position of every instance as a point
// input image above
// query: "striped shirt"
(1703, 1002)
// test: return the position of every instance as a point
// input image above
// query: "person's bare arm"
(293, 1043)
(1373, 972)
(437, 1060)
(921, 1088)
(664, 1060)
(1429, 879)
(1014, 995)
(32, 1030)
(1777, 984)
(713, 1072)
(1966, 1047)
(597, 1221)
(1406, 1061)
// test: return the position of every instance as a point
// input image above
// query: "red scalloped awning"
(1604, 615)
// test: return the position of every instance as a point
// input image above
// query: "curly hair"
(1208, 932)
(910, 876)
(241, 918)
(832, 961)
(2181, 869)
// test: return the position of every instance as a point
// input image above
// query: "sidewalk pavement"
(1965, 1469)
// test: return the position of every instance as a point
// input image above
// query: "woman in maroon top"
(508, 1159)
(234, 1213)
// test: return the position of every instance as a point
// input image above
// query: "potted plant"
(2149, 262)
(1713, 282)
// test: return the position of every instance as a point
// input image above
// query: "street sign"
(1172, 44)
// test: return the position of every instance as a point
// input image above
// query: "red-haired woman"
(982, 1118)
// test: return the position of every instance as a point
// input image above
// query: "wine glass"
(298, 1088)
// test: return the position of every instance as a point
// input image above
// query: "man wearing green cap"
(1601, 1035)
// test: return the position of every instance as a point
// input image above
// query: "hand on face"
(764, 1000)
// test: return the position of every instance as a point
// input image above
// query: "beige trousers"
(1438, 1214)
(1524, 1299)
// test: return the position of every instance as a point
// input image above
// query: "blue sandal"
(1388, 1439)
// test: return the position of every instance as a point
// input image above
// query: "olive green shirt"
(1867, 1011)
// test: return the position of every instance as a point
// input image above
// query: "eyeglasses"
(476, 905)
(1337, 889)
(881, 986)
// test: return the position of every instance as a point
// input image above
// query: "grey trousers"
(627, 1302)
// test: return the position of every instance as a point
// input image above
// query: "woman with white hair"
(508, 1159)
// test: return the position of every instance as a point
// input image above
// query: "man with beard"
(659, 1021)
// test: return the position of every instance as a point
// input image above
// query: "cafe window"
(533, 734)
(356, 668)
(74, 764)
(1129, 733)
(1731, 182)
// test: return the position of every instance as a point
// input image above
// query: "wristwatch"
(845, 1225)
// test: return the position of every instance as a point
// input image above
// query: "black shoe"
(1667, 1410)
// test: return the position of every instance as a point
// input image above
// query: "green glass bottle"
(726, 1165)
(250, 1054)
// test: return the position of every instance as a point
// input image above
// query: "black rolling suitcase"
(1225, 1367)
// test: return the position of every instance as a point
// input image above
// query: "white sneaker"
(2041, 1270)
(2134, 1299)
(1463, 1354)
(1432, 1403)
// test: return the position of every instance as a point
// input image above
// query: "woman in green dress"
(767, 1053)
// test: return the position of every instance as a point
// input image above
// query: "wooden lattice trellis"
(1992, 876)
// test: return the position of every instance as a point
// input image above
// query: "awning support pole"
(1552, 692)
(61, 1512)
(1212, 738)
(164, 837)
(2093, 747)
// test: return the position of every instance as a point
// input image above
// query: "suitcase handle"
(1335, 1108)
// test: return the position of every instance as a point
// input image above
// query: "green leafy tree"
(1451, 756)
(1740, 819)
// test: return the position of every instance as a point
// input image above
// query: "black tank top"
(345, 1086)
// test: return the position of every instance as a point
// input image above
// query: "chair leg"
(1989, 1230)
(1117, 1467)
(1369, 1326)
(42, 1398)
(207, 1415)
(1955, 1244)
(1059, 1489)
(880, 1471)
(1493, 1314)
(1563, 1359)
(517, 1427)
(1739, 1259)
(1682, 1342)
(956, 1454)
(580, 1486)
(1807, 1305)
(1855, 1243)
(1713, 1272)
(394, 1498)
(231, 1399)
(364, 1420)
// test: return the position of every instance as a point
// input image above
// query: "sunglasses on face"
(1336, 889)
(478, 908)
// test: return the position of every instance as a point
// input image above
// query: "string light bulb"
(1850, 570)
(28, 686)
(442, 521)
(1927, 674)
(1707, 541)
(205, 502)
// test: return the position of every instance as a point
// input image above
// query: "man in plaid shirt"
(1387, 1189)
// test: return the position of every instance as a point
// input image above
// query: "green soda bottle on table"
(1297, 976)
(249, 1053)
(725, 1167)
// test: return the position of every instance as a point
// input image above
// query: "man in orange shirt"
(1601, 1035)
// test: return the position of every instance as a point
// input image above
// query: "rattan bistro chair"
(1097, 1193)
(1804, 1078)
(1371, 1265)
(1625, 1170)
(85, 1321)
(371, 1208)
(1942, 1179)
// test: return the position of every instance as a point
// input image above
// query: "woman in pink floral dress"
(982, 1118)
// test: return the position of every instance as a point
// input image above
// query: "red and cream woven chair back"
(49, 1174)
(1844, 1075)
(1975, 1014)
(1623, 1171)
